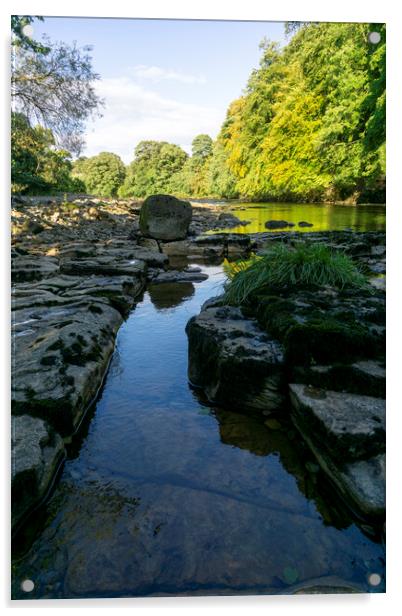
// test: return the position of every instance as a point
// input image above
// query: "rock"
(235, 363)
(103, 265)
(221, 245)
(148, 242)
(363, 377)
(303, 223)
(60, 356)
(174, 276)
(349, 426)
(33, 267)
(36, 454)
(164, 217)
(176, 249)
(278, 224)
(346, 434)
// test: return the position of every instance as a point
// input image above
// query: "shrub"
(283, 267)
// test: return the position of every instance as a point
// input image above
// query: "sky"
(167, 80)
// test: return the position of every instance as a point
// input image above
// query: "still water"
(163, 494)
(322, 217)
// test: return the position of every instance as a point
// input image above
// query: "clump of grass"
(283, 267)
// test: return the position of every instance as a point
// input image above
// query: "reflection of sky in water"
(167, 495)
(323, 217)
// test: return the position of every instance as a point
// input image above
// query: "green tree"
(52, 84)
(102, 174)
(155, 164)
(310, 124)
(201, 147)
(37, 166)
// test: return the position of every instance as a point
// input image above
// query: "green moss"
(275, 315)
(328, 340)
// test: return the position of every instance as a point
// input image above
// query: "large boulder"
(164, 217)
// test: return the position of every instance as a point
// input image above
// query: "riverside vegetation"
(309, 126)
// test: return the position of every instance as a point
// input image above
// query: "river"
(322, 217)
(163, 494)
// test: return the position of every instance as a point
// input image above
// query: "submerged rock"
(278, 224)
(234, 362)
(164, 217)
(36, 454)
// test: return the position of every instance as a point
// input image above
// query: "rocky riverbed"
(319, 353)
(80, 266)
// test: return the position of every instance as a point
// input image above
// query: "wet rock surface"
(233, 361)
(332, 345)
(36, 454)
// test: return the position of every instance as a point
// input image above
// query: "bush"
(283, 267)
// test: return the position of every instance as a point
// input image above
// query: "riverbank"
(78, 268)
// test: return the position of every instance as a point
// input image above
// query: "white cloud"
(157, 73)
(134, 113)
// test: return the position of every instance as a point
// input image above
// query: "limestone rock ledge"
(346, 433)
(36, 453)
(234, 362)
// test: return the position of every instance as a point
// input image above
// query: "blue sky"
(162, 79)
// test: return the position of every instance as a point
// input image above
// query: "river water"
(163, 494)
(323, 217)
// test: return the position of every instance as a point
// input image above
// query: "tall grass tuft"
(283, 267)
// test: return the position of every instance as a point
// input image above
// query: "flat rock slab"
(36, 453)
(175, 276)
(350, 426)
(366, 378)
(33, 267)
(233, 361)
(60, 355)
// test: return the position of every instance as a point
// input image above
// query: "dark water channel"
(163, 494)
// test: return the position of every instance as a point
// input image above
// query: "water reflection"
(170, 295)
(323, 217)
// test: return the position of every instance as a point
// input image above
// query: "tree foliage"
(102, 174)
(37, 166)
(311, 122)
(52, 85)
(154, 165)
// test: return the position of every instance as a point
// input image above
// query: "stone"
(164, 217)
(304, 223)
(278, 224)
(235, 363)
(366, 377)
(36, 454)
(60, 356)
(33, 267)
(180, 248)
(349, 426)
(175, 276)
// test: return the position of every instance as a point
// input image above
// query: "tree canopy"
(52, 84)
(102, 174)
(309, 125)
(154, 165)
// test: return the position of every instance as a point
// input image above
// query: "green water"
(323, 217)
